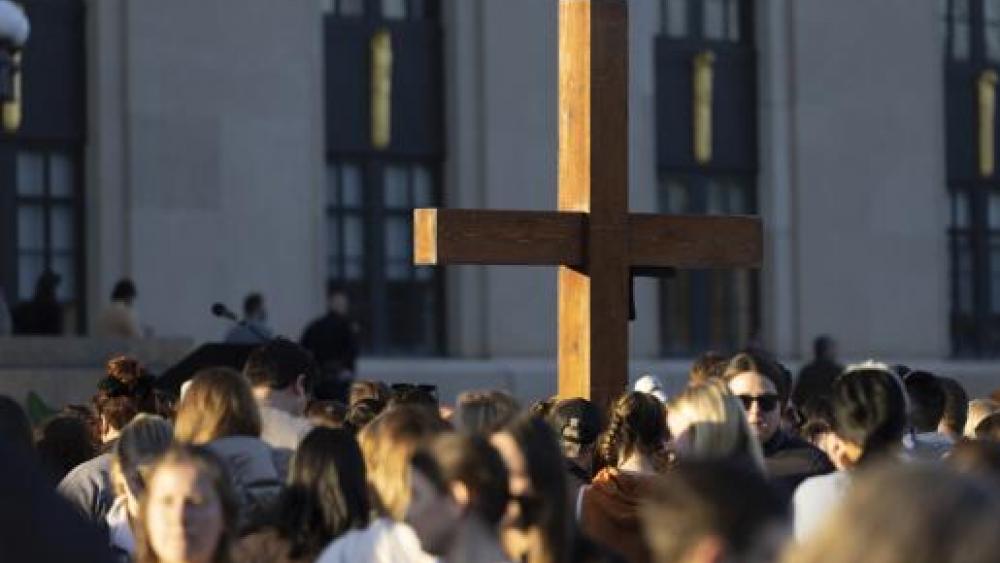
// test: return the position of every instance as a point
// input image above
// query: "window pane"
(991, 34)
(717, 197)
(61, 178)
(676, 197)
(423, 193)
(351, 8)
(30, 174)
(418, 9)
(65, 267)
(713, 16)
(397, 247)
(734, 20)
(333, 241)
(30, 227)
(350, 185)
(675, 18)
(353, 237)
(62, 228)
(960, 209)
(327, 6)
(397, 187)
(960, 40)
(394, 9)
(332, 181)
(994, 211)
(29, 268)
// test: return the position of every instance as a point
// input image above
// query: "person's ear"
(460, 494)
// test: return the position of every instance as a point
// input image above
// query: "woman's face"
(184, 517)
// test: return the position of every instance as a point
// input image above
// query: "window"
(708, 20)
(381, 9)
(48, 214)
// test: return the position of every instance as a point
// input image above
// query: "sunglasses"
(766, 402)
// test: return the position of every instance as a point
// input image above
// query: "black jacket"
(789, 460)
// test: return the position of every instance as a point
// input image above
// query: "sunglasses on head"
(767, 402)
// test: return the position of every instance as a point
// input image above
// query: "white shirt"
(383, 541)
(815, 499)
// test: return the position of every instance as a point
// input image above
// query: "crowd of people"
(861, 463)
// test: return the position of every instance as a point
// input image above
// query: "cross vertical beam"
(593, 179)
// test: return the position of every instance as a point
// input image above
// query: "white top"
(14, 26)
(815, 499)
(383, 541)
(119, 531)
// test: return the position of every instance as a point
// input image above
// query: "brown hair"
(757, 363)
(218, 403)
(911, 513)
(209, 466)
(638, 422)
(484, 412)
(363, 389)
(387, 444)
(125, 391)
(707, 366)
(469, 460)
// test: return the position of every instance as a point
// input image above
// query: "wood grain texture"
(693, 241)
(469, 236)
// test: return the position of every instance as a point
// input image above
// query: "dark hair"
(409, 394)
(709, 365)
(547, 507)
(363, 389)
(327, 493)
(697, 499)
(637, 423)
(542, 408)
(209, 465)
(124, 392)
(65, 441)
(869, 409)
(470, 460)
(956, 405)
(328, 414)
(362, 412)
(278, 364)
(577, 421)
(927, 400)
(252, 303)
(822, 345)
(989, 428)
(817, 417)
(124, 290)
(756, 362)
(15, 428)
(484, 412)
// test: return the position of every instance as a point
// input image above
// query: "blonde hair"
(218, 403)
(718, 426)
(387, 443)
(979, 409)
(139, 446)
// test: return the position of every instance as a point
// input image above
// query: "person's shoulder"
(87, 472)
(829, 484)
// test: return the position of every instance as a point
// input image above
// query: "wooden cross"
(592, 237)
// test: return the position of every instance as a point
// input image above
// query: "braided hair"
(637, 424)
(125, 391)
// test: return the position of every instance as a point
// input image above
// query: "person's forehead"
(751, 381)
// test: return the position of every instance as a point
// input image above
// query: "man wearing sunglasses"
(763, 388)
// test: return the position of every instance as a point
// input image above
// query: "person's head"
(327, 493)
(362, 412)
(708, 422)
(217, 403)
(651, 385)
(869, 414)
(978, 410)
(387, 444)
(63, 442)
(253, 307)
(189, 511)
(976, 457)
(140, 445)
(124, 291)
(46, 286)
(337, 299)
(327, 414)
(714, 511)
(125, 391)
(537, 520)
(817, 423)
(365, 389)
(927, 400)
(956, 408)
(15, 428)
(825, 348)
(988, 428)
(484, 412)
(577, 423)
(636, 427)
(421, 395)
(911, 513)
(759, 383)
(707, 366)
(455, 480)
(280, 372)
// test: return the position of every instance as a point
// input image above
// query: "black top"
(789, 460)
(331, 340)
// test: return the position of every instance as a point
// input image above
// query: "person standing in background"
(119, 320)
(253, 328)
